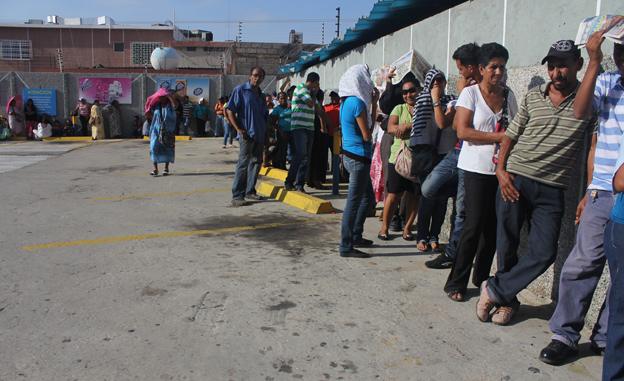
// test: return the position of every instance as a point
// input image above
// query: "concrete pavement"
(109, 274)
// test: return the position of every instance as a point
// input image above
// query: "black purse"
(165, 137)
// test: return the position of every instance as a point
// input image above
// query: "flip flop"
(383, 237)
(408, 237)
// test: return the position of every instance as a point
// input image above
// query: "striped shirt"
(609, 103)
(548, 138)
(302, 115)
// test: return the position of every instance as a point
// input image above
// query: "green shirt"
(302, 115)
(548, 138)
(405, 117)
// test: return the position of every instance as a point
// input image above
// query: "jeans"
(358, 200)
(542, 205)
(247, 168)
(302, 140)
(186, 124)
(201, 127)
(221, 124)
(446, 180)
(478, 237)
(580, 275)
(432, 208)
(613, 366)
(228, 133)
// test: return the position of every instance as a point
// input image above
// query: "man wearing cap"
(535, 164)
(601, 94)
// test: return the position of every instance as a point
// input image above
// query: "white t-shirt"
(44, 130)
(477, 157)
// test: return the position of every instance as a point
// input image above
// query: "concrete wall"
(528, 29)
(66, 85)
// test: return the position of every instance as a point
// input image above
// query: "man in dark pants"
(601, 93)
(537, 156)
(247, 113)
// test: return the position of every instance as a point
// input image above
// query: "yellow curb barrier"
(303, 201)
(68, 139)
(274, 173)
(178, 137)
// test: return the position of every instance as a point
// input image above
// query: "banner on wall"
(44, 100)
(194, 88)
(105, 90)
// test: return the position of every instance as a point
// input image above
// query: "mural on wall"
(105, 90)
(195, 88)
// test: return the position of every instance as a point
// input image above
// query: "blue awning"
(386, 16)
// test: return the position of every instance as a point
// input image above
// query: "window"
(141, 51)
(20, 50)
(118, 47)
(190, 48)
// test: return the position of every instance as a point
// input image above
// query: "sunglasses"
(411, 90)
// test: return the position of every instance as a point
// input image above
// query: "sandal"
(485, 304)
(456, 296)
(154, 173)
(383, 237)
(434, 246)
(166, 172)
(422, 245)
(408, 236)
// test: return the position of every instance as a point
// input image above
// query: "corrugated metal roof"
(386, 16)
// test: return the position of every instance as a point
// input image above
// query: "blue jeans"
(358, 200)
(580, 274)
(446, 180)
(247, 168)
(302, 141)
(221, 125)
(613, 366)
(186, 124)
(228, 132)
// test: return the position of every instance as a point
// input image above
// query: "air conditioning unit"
(54, 19)
(73, 21)
(34, 21)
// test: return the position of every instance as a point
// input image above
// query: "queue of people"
(504, 162)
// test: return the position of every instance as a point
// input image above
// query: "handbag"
(404, 162)
(166, 138)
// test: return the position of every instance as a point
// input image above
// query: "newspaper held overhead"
(614, 25)
(410, 61)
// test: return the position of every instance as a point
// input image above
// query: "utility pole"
(239, 36)
(338, 22)
(323, 34)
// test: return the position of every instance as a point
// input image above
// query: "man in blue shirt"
(247, 113)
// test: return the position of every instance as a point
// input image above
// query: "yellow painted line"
(306, 202)
(141, 237)
(177, 138)
(274, 173)
(139, 196)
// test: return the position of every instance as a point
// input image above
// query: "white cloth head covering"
(357, 82)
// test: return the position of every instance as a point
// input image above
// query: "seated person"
(44, 129)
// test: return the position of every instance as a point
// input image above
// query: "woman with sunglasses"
(400, 125)
(483, 111)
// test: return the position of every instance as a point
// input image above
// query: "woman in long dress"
(96, 121)
(16, 115)
(114, 119)
(162, 107)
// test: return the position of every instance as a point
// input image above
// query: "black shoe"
(300, 189)
(255, 197)
(396, 224)
(598, 350)
(363, 242)
(557, 353)
(440, 262)
(289, 187)
(355, 253)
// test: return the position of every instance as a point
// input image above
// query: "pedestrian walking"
(161, 107)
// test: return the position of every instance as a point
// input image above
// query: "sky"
(263, 21)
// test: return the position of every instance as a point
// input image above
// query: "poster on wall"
(44, 100)
(105, 90)
(195, 88)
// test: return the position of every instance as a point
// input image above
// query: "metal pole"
(338, 22)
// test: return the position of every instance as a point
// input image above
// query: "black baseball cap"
(562, 49)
